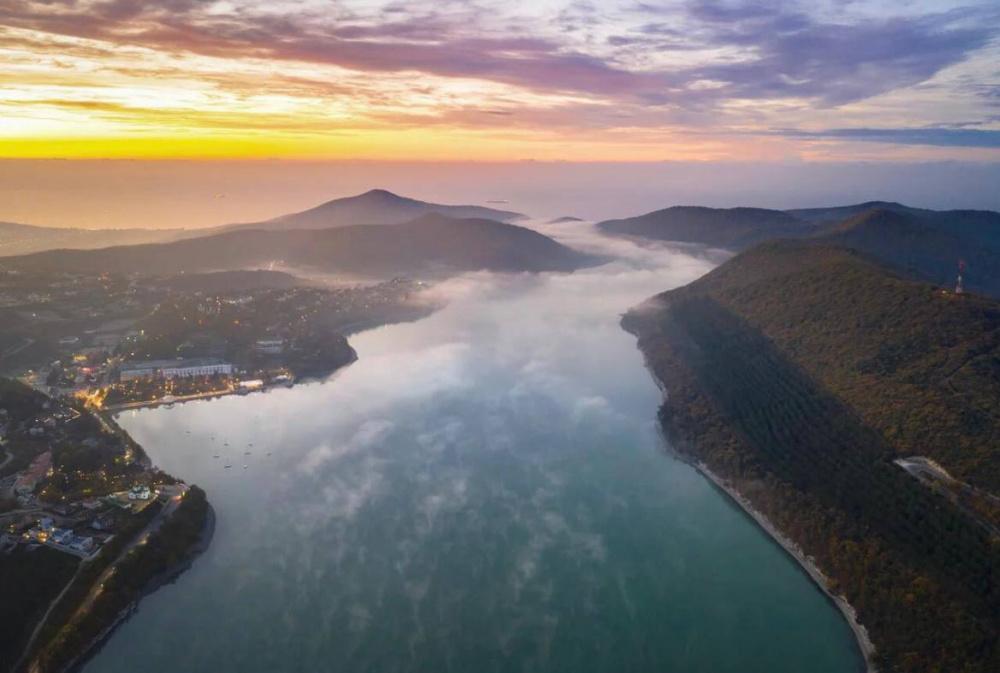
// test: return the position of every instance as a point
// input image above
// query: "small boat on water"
(246, 453)
(244, 467)
(215, 456)
(227, 466)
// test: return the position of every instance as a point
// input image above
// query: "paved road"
(14, 350)
(176, 494)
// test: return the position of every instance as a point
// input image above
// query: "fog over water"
(483, 490)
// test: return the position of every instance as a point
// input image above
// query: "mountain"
(795, 374)
(840, 213)
(928, 244)
(925, 244)
(733, 228)
(21, 239)
(377, 206)
(432, 244)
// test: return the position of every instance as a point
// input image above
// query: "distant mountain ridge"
(927, 244)
(735, 228)
(21, 239)
(376, 206)
(431, 244)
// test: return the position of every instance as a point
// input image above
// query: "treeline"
(746, 401)
(918, 364)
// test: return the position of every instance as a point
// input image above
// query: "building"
(270, 346)
(169, 369)
(251, 385)
(139, 492)
(103, 522)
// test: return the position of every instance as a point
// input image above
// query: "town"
(68, 479)
(116, 342)
(87, 522)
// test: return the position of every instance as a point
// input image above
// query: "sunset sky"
(588, 80)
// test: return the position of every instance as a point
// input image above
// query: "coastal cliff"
(764, 383)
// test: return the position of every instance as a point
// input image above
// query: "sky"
(495, 81)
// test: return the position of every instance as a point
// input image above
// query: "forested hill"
(798, 373)
(918, 364)
(928, 244)
(733, 228)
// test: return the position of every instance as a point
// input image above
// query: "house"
(103, 522)
(84, 545)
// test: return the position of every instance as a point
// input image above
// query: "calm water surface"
(484, 490)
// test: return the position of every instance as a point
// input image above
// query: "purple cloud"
(788, 53)
(933, 136)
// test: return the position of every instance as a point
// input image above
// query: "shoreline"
(865, 646)
(208, 395)
(861, 637)
(155, 583)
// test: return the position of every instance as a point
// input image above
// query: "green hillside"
(919, 365)
(798, 373)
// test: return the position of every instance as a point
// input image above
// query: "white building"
(270, 346)
(169, 369)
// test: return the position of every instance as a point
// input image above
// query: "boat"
(215, 456)
(227, 466)
(244, 467)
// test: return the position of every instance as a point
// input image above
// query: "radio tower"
(959, 287)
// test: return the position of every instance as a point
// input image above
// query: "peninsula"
(89, 526)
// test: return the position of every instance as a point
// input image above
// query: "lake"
(484, 490)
